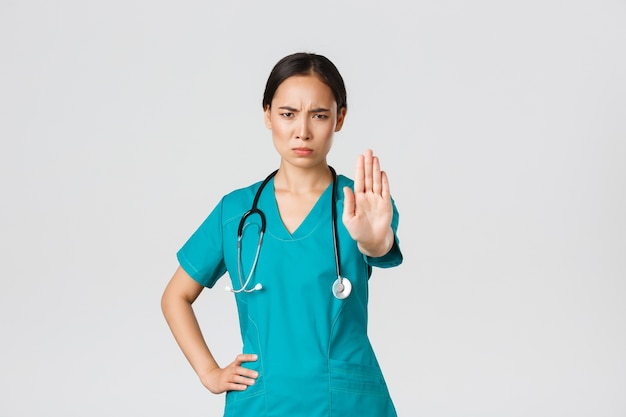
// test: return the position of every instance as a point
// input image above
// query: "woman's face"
(303, 118)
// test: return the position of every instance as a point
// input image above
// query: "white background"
(501, 125)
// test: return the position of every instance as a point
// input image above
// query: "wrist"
(378, 248)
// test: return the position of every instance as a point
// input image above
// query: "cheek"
(279, 130)
(325, 129)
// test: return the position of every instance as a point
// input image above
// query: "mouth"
(303, 151)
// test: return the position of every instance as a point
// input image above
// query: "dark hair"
(302, 63)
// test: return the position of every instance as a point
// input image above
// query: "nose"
(303, 132)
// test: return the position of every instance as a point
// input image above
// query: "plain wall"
(501, 126)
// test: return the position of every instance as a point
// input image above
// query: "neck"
(298, 180)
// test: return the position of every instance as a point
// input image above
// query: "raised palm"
(367, 212)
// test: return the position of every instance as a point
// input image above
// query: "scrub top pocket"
(359, 390)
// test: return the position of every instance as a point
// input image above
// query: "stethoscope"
(341, 287)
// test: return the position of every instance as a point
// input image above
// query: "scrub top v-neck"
(314, 355)
(313, 217)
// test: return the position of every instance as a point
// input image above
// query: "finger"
(239, 379)
(359, 175)
(348, 204)
(232, 386)
(247, 373)
(368, 162)
(245, 357)
(386, 194)
(376, 176)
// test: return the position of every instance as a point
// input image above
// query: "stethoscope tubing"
(341, 286)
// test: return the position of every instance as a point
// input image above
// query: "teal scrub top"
(314, 354)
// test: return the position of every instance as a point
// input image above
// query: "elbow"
(165, 303)
(168, 301)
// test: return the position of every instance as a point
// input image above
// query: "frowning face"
(303, 118)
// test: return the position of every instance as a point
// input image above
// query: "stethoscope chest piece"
(342, 287)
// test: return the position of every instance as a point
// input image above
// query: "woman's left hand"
(367, 212)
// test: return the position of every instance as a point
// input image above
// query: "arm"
(368, 211)
(176, 304)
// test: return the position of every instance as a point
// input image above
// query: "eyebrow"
(316, 110)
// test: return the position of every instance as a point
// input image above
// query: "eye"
(320, 116)
(287, 115)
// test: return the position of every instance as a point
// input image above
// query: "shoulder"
(241, 198)
(343, 181)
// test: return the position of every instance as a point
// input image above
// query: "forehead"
(304, 87)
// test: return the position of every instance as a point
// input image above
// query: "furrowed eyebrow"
(316, 110)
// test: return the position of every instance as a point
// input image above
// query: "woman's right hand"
(233, 377)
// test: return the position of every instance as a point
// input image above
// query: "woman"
(305, 346)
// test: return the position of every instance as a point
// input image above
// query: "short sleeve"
(394, 256)
(202, 256)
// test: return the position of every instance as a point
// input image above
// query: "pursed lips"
(303, 151)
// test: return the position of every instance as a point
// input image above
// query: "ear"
(268, 119)
(340, 118)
